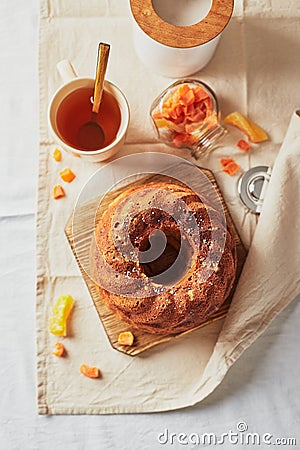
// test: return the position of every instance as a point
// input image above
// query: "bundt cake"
(163, 259)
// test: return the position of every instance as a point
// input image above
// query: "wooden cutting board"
(113, 326)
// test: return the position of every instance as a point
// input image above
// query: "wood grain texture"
(182, 36)
(83, 239)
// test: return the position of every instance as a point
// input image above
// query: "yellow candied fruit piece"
(63, 306)
(57, 326)
(164, 123)
(61, 311)
(57, 155)
(255, 133)
(126, 338)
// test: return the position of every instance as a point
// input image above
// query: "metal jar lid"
(252, 187)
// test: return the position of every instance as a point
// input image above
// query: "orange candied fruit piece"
(225, 161)
(243, 145)
(58, 192)
(126, 338)
(251, 129)
(229, 166)
(59, 350)
(183, 112)
(90, 372)
(67, 175)
(57, 155)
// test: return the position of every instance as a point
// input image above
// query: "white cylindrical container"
(168, 40)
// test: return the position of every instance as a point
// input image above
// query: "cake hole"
(182, 12)
(171, 266)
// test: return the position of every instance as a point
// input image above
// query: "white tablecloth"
(262, 388)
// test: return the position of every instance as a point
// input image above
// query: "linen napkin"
(271, 277)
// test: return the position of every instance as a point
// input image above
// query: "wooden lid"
(182, 36)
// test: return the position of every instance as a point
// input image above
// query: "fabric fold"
(270, 279)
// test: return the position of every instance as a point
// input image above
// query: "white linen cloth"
(160, 383)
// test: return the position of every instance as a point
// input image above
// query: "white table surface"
(261, 389)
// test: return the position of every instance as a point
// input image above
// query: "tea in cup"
(71, 108)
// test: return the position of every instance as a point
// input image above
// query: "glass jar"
(186, 115)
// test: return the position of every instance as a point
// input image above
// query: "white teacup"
(71, 83)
